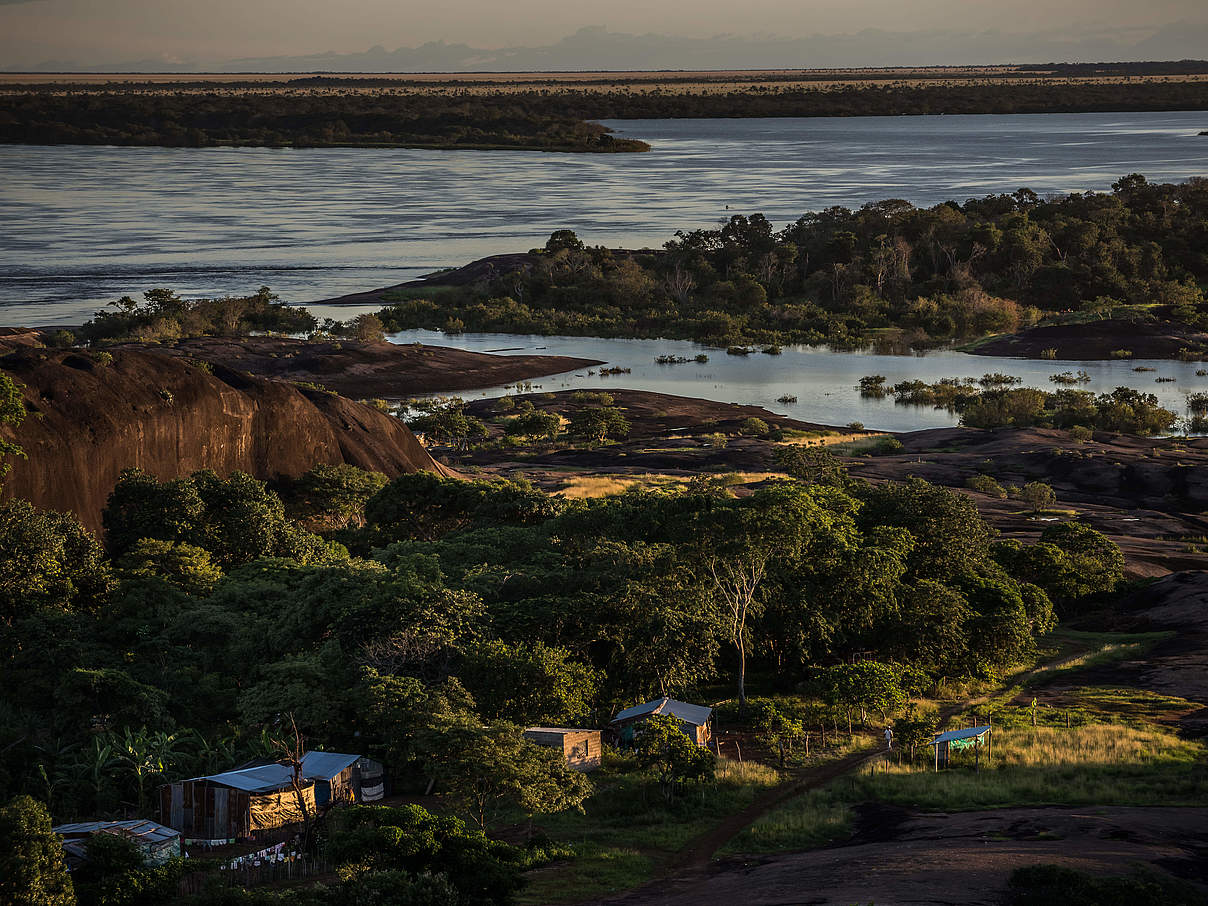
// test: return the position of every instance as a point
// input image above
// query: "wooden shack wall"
(204, 811)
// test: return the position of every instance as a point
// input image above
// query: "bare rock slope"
(88, 418)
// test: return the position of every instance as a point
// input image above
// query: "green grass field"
(627, 830)
(1098, 764)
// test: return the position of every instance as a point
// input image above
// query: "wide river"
(823, 382)
(84, 225)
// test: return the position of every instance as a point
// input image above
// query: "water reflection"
(84, 225)
(823, 381)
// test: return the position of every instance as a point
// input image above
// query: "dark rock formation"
(89, 417)
(1145, 339)
(369, 370)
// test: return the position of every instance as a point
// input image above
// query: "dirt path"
(962, 859)
(696, 856)
(700, 851)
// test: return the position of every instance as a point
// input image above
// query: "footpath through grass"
(628, 829)
(1114, 752)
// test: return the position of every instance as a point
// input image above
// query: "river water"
(824, 382)
(84, 225)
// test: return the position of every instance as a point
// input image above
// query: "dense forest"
(425, 620)
(889, 271)
(329, 112)
(300, 120)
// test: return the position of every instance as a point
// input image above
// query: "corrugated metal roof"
(967, 733)
(141, 828)
(265, 778)
(560, 730)
(690, 714)
(325, 765)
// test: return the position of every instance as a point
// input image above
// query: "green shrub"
(1081, 434)
(887, 446)
(985, 484)
(595, 397)
(754, 427)
(1037, 495)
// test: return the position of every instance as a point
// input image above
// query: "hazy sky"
(106, 31)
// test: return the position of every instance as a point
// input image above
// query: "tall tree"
(12, 412)
(32, 870)
(738, 539)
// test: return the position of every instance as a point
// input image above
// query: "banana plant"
(147, 755)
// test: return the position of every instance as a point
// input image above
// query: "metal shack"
(693, 719)
(343, 778)
(975, 738)
(248, 802)
(156, 842)
(581, 748)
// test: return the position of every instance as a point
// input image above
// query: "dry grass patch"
(585, 486)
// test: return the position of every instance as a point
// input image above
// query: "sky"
(92, 33)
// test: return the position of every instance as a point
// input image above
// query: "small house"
(343, 778)
(157, 843)
(580, 748)
(694, 720)
(246, 802)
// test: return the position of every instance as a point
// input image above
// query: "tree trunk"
(742, 676)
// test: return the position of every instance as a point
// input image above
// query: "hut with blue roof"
(974, 738)
(694, 720)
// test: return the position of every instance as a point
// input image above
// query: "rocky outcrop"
(1149, 338)
(369, 370)
(89, 416)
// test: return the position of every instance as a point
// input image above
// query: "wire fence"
(252, 872)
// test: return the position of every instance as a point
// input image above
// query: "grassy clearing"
(1113, 753)
(863, 444)
(628, 829)
(813, 819)
(1100, 764)
(586, 486)
(825, 439)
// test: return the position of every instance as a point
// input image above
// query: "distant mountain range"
(597, 48)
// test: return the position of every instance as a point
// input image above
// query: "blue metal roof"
(689, 714)
(325, 765)
(265, 778)
(140, 828)
(967, 733)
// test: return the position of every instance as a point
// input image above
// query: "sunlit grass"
(1099, 764)
(628, 828)
(814, 818)
(585, 486)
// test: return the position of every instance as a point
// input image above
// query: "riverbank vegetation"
(888, 273)
(543, 112)
(164, 317)
(1124, 411)
(295, 119)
